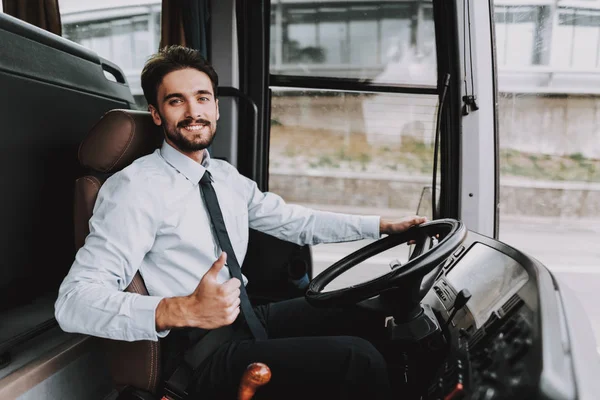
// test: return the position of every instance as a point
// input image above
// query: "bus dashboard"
(512, 339)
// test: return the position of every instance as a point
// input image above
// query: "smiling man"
(181, 219)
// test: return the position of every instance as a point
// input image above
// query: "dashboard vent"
(511, 303)
(476, 337)
(491, 321)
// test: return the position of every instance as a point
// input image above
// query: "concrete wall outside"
(557, 125)
(550, 125)
(517, 197)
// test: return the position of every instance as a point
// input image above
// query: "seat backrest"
(119, 138)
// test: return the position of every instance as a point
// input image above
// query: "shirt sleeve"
(122, 230)
(269, 213)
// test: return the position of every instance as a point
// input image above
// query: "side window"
(125, 35)
(342, 146)
(376, 41)
(548, 60)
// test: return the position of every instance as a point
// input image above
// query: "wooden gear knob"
(255, 376)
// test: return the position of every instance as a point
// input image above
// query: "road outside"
(569, 249)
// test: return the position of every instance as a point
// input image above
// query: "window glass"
(353, 152)
(362, 36)
(562, 43)
(333, 37)
(516, 35)
(360, 153)
(577, 38)
(124, 32)
(392, 32)
(275, 40)
(378, 41)
(548, 135)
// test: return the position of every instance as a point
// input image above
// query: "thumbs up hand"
(210, 306)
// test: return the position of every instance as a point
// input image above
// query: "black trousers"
(313, 353)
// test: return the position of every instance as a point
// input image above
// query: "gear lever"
(255, 376)
(462, 298)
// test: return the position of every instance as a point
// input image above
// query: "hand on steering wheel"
(404, 282)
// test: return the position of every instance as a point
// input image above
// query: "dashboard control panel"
(494, 343)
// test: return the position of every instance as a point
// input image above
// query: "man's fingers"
(416, 220)
(230, 285)
(235, 304)
(229, 298)
(217, 265)
(231, 316)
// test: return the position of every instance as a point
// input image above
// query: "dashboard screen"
(491, 276)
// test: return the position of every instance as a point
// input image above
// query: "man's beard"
(185, 144)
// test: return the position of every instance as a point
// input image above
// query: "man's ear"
(155, 115)
(217, 103)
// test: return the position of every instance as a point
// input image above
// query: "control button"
(459, 251)
(448, 262)
(445, 295)
(440, 293)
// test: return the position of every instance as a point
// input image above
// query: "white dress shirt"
(150, 217)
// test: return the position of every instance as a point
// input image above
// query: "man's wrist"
(170, 313)
(383, 226)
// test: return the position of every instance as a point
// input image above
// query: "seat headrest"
(118, 139)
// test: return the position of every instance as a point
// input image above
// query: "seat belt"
(194, 359)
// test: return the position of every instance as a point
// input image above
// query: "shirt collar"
(183, 164)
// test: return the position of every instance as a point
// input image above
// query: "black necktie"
(212, 204)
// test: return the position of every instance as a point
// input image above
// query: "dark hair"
(169, 59)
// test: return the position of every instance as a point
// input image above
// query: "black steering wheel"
(401, 286)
